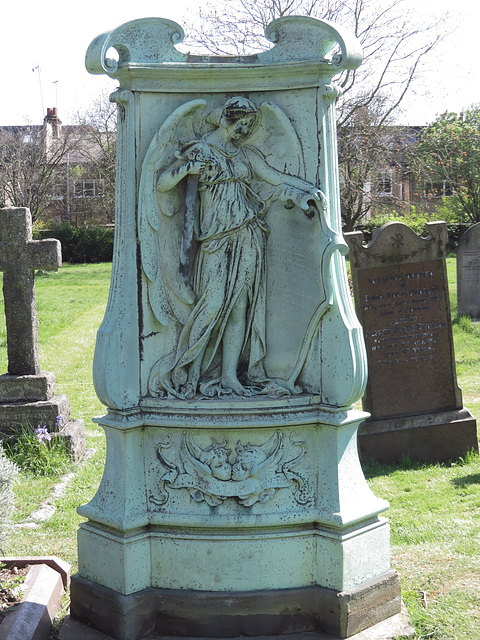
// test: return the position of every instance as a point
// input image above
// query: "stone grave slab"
(402, 301)
(27, 394)
(233, 502)
(468, 273)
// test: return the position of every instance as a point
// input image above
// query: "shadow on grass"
(372, 468)
(474, 478)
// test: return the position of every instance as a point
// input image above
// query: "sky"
(43, 47)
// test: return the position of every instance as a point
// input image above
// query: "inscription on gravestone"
(409, 344)
(468, 273)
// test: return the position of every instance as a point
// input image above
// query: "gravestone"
(232, 502)
(27, 394)
(401, 295)
(468, 273)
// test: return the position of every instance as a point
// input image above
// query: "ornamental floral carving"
(249, 473)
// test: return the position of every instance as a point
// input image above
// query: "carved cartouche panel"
(249, 473)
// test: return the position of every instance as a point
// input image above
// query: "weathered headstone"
(401, 295)
(233, 502)
(26, 393)
(468, 273)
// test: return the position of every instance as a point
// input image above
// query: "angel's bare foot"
(230, 382)
(188, 391)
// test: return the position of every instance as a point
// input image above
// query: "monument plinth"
(232, 502)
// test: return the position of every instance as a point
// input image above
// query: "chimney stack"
(52, 120)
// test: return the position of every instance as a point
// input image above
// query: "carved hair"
(238, 107)
(233, 109)
(214, 450)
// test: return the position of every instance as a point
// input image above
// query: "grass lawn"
(435, 509)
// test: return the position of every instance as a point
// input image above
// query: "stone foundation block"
(272, 614)
(27, 388)
(40, 413)
(433, 437)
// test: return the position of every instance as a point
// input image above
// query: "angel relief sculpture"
(207, 182)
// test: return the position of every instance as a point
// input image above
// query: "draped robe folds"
(230, 262)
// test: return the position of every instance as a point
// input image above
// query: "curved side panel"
(342, 347)
(116, 381)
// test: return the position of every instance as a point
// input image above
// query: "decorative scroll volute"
(129, 41)
(318, 40)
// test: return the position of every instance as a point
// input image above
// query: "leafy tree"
(394, 49)
(448, 156)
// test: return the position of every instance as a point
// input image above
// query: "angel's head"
(248, 457)
(239, 117)
(216, 457)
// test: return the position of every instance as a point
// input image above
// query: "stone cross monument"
(233, 502)
(27, 394)
(19, 257)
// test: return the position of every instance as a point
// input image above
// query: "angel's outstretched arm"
(291, 188)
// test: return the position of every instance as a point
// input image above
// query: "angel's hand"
(302, 197)
(314, 200)
(194, 167)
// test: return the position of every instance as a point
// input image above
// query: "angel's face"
(242, 128)
(217, 460)
(246, 460)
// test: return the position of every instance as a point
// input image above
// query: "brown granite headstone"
(401, 298)
(468, 273)
(26, 393)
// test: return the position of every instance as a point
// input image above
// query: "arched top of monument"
(148, 43)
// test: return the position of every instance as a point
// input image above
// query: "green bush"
(81, 245)
(8, 472)
(417, 220)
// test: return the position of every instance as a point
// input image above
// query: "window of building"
(58, 188)
(88, 189)
(437, 189)
(384, 184)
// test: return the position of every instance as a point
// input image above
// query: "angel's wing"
(159, 229)
(189, 454)
(278, 143)
(273, 448)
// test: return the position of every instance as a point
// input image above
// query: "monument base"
(302, 550)
(433, 437)
(45, 412)
(183, 613)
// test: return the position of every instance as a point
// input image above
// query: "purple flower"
(42, 434)
(58, 422)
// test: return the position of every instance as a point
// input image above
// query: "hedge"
(81, 244)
